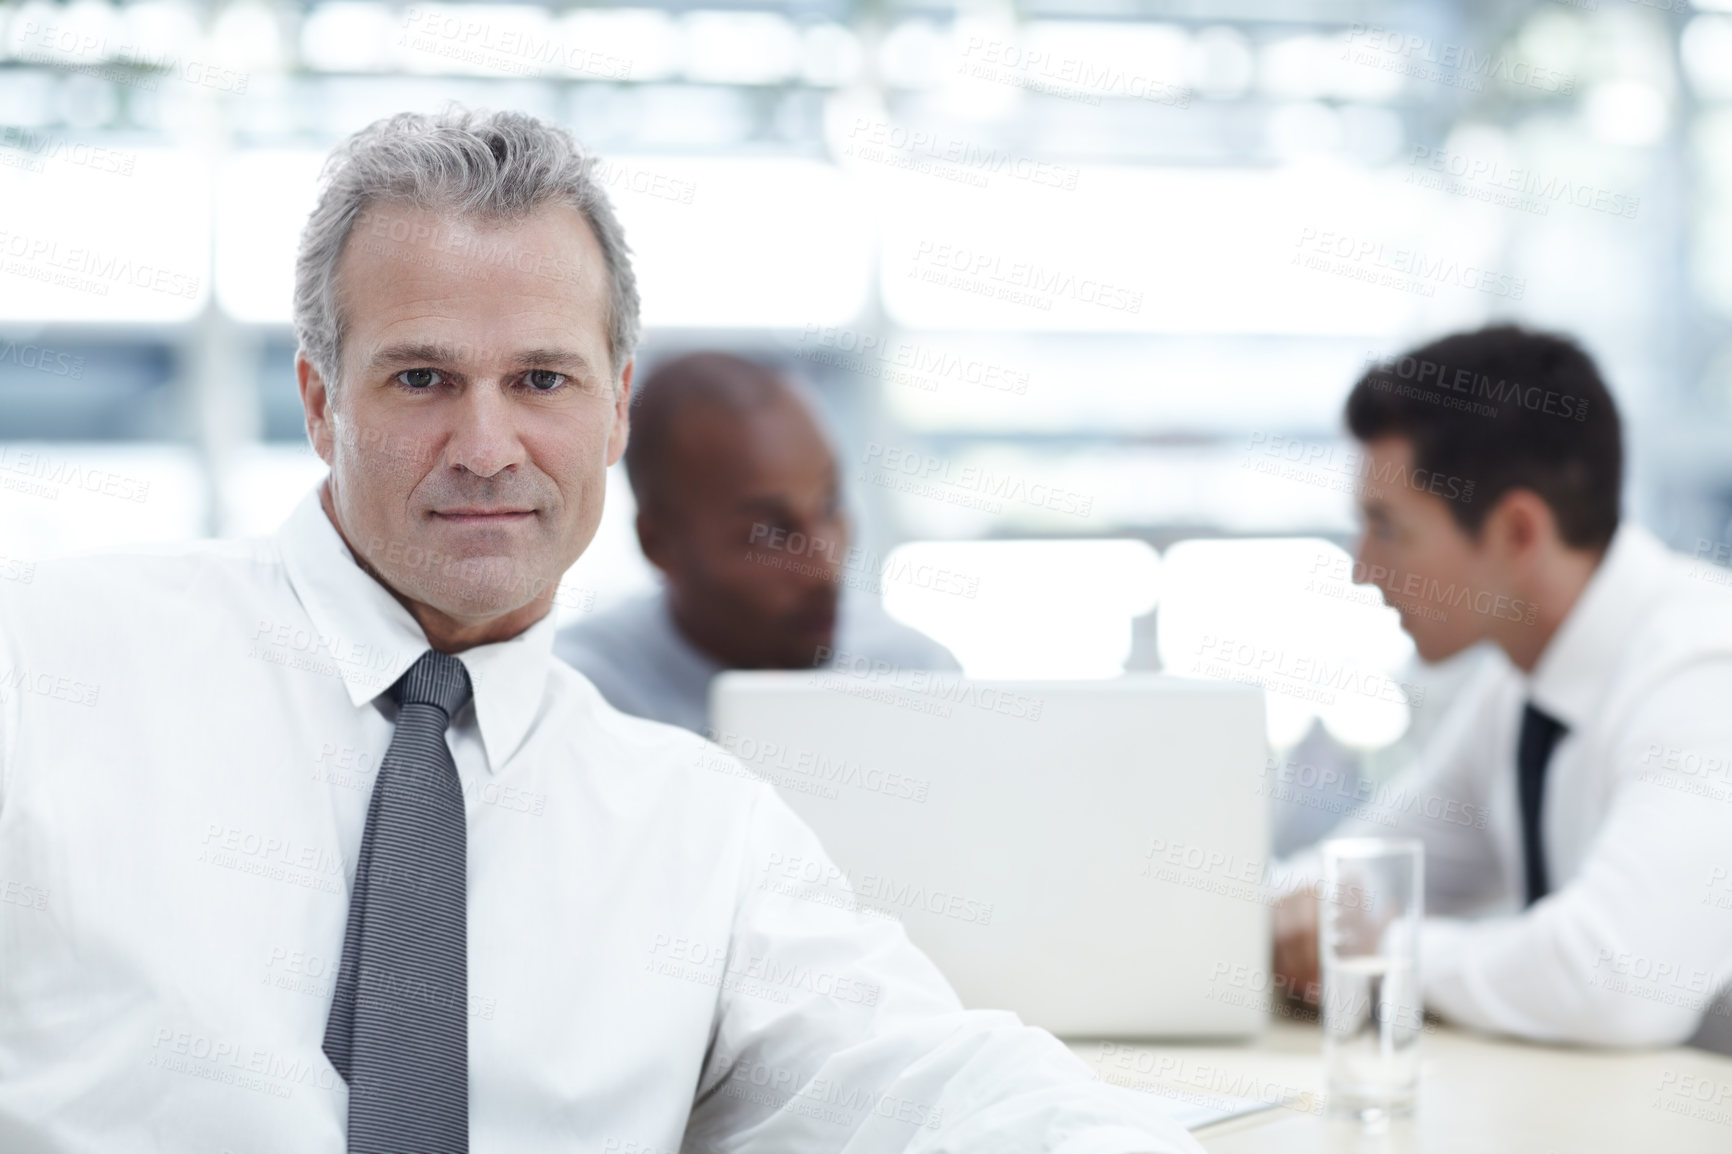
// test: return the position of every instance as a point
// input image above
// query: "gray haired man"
(310, 844)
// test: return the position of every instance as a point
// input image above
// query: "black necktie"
(1540, 732)
(399, 1026)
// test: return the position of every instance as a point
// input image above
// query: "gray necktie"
(399, 1026)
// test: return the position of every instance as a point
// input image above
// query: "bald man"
(726, 458)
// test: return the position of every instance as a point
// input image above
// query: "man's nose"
(484, 439)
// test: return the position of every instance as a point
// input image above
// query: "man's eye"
(419, 378)
(545, 380)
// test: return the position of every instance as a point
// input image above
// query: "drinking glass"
(1369, 913)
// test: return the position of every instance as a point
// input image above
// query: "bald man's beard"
(811, 631)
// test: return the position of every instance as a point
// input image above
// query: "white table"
(1477, 1095)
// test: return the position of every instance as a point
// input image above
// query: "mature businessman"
(333, 855)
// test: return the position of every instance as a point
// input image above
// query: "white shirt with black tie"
(1635, 935)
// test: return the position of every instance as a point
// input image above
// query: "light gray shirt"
(644, 665)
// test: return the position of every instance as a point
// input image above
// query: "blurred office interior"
(1082, 283)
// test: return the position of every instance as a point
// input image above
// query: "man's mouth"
(480, 515)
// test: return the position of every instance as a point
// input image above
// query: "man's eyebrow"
(574, 362)
(413, 352)
(430, 353)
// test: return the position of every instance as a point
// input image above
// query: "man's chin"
(1433, 650)
(475, 588)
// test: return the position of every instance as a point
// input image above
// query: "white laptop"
(1086, 853)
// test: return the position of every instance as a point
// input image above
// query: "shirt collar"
(1573, 672)
(372, 639)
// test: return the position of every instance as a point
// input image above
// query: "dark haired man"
(1571, 853)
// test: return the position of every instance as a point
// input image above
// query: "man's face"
(754, 534)
(470, 433)
(1411, 547)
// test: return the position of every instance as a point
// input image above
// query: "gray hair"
(493, 165)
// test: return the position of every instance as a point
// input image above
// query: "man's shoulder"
(128, 580)
(650, 748)
(866, 630)
(626, 625)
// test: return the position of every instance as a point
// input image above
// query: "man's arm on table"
(1441, 800)
(834, 1033)
(1627, 953)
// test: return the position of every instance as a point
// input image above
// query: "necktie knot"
(436, 679)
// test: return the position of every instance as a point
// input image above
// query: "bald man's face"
(750, 534)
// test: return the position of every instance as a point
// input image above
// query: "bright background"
(787, 174)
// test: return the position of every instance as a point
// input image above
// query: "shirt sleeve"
(1632, 949)
(1441, 799)
(835, 1033)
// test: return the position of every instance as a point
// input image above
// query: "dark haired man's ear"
(1522, 522)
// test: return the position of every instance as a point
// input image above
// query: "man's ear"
(316, 404)
(1520, 524)
(621, 432)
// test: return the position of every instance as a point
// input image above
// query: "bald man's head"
(726, 457)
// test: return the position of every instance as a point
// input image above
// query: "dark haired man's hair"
(1504, 408)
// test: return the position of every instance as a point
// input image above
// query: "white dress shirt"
(644, 665)
(188, 740)
(1635, 936)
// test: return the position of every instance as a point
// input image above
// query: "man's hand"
(1295, 962)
